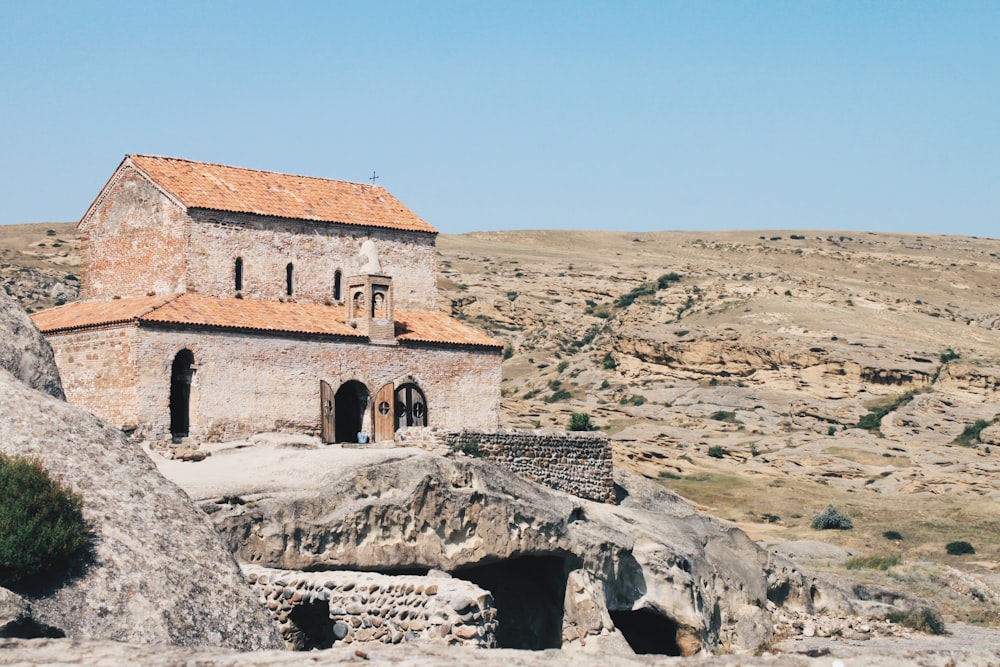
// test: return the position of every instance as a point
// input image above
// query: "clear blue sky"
(873, 115)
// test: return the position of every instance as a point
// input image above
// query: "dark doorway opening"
(647, 632)
(181, 373)
(351, 401)
(529, 594)
(312, 627)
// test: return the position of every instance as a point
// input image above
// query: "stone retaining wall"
(577, 462)
(320, 609)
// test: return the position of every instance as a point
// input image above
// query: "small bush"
(873, 562)
(580, 421)
(558, 395)
(563, 365)
(663, 282)
(969, 437)
(609, 362)
(958, 548)
(40, 520)
(470, 448)
(873, 420)
(892, 535)
(508, 352)
(723, 416)
(949, 355)
(717, 451)
(511, 296)
(921, 620)
(832, 519)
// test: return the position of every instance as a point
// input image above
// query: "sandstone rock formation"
(650, 559)
(154, 569)
(24, 353)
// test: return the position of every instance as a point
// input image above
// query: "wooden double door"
(345, 414)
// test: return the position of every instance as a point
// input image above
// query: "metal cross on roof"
(374, 177)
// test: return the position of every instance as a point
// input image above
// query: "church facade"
(218, 301)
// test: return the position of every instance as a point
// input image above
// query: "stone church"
(218, 301)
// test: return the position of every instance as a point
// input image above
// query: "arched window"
(336, 285)
(288, 279)
(238, 274)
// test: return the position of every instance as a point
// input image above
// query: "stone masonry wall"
(320, 609)
(249, 383)
(134, 243)
(315, 250)
(575, 462)
(97, 371)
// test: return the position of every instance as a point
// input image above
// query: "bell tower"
(369, 307)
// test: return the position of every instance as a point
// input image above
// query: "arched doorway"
(181, 374)
(411, 406)
(351, 402)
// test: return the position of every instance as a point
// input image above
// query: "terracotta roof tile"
(221, 188)
(83, 314)
(249, 314)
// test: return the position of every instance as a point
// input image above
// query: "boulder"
(24, 353)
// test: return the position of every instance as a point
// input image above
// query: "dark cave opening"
(529, 593)
(313, 624)
(647, 632)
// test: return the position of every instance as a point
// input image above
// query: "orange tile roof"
(221, 188)
(248, 314)
(83, 314)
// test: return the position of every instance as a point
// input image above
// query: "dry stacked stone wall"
(321, 609)
(575, 462)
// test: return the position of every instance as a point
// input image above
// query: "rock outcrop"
(154, 570)
(706, 584)
(24, 353)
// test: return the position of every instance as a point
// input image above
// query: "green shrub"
(723, 416)
(922, 620)
(717, 451)
(892, 535)
(563, 365)
(970, 434)
(958, 548)
(832, 519)
(873, 562)
(511, 296)
(558, 395)
(470, 448)
(873, 420)
(508, 352)
(949, 355)
(580, 421)
(40, 520)
(663, 282)
(608, 361)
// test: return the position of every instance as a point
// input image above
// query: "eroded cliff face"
(708, 584)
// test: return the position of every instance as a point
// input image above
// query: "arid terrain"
(762, 375)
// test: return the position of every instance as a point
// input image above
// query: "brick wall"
(133, 243)
(315, 250)
(249, 383)
(96, 371)
(578, 463)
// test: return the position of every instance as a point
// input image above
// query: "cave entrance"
(647, 632)
(529, 594)
(313, 628)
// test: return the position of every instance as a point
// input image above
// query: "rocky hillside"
(766, 374)
(763, 375)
